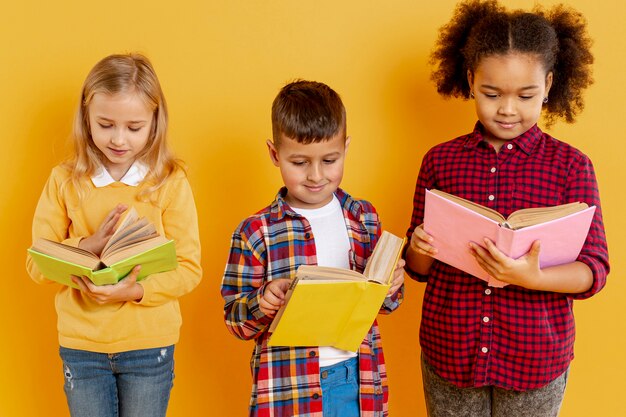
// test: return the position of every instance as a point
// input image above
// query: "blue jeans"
(136, 383)
(340, 389)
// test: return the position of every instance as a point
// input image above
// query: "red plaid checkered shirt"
(474, 335)
(272, 244)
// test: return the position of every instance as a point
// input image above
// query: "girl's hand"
(523, 271)
(125, 290)
(398, 278)
(274, 296)
(96, 242)
(421, 242)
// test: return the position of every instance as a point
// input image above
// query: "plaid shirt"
(510, 337)
(272, 244)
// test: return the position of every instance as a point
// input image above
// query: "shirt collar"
(135, 174)
(279, 208)
(526, 141)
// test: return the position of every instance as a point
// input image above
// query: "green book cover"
(160, 258)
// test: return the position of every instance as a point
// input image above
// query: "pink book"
(452, 224)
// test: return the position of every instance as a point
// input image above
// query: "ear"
(347, 143)
(470, 79)
(272, 151)
(549, 78)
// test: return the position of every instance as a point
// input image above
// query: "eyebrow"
(111, 120)
(492, 87)
(295, 155)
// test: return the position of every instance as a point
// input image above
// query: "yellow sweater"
(155, 320)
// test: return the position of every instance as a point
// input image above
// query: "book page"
(323, 273)
(536, 215)
(133, 249)
(140, 231)
(480, 209)
(66, 252)
(383, 260)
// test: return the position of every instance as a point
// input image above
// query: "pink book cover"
(453, 226)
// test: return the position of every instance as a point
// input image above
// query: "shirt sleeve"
(424, 181)
(582, 186)
(50, 220)
(180, 223)
(244, 282)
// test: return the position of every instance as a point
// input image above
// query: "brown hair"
(127, 73)
(558, 37)
(307, 111)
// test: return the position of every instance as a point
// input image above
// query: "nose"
(315, 173)
(507, 106)
(117, 137)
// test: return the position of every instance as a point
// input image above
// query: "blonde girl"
(117, 341)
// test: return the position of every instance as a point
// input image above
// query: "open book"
(134, 242)
(453, 222)
(327, 306)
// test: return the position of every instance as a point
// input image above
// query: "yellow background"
(221, 64)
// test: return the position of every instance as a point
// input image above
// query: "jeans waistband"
(343, 371)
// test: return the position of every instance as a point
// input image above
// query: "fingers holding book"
(398, 278)
(274, 296)
(126, 289)
(521, 271)
(421, 242)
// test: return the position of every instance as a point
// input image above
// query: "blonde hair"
(125, 73)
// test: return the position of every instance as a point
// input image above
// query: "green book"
(135, 242)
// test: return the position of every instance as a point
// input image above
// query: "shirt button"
(312, 353)
(484, 350)
(487, 291)
(492, 197)
(316, 396)
(486, 319)
(307, 235)
(493, 169)
(509, 146)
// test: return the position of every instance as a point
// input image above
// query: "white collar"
(135, 174)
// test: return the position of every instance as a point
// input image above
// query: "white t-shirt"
(332, 246)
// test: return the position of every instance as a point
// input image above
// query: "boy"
(311, 221)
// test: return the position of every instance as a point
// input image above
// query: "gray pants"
(444, 399)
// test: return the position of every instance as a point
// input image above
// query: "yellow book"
(134, 242)
(327, 306)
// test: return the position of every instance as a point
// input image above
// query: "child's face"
(310, 172)
(120, 126)
(509, 92)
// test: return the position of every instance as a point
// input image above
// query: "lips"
(316, 188)
(507, 125)
(118, 152)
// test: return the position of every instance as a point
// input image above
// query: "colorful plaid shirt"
(272, 244)
(474, 335)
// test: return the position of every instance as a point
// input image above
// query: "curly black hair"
(481, 28)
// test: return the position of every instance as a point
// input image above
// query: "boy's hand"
(274, 296)
(421, 242)
(96, 242)
(523, 271)
(398, 278)
(125, 290)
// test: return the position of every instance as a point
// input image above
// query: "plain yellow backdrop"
(221, 62)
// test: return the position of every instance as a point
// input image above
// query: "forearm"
(417, 262)
(243, 315)
(572, 278)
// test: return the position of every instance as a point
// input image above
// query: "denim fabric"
(128, 384)
(444, 399)
(340, 389)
